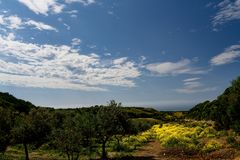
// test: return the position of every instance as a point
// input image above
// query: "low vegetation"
(208, 131)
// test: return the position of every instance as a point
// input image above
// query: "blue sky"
(167, 54)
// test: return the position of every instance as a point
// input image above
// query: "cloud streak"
(14, 22)
(173, 68)
(192, 85)
(229, 55)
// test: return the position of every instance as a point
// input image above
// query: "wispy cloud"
(61, 66)
(84, 2)
(39, 25)
(228, 11)
(229, 55)
(174, 68)
(192, 85)
(45, 7)
(191, 79)
(15, 22)
(76, 41)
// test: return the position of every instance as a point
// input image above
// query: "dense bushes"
(225, 110)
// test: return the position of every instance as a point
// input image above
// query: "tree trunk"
(26, 151)
(104, 154)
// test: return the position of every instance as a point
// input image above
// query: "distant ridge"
(10, 102)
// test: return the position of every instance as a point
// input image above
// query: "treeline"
(225, 110)
(74, 132)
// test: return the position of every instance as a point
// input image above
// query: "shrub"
(231, 140)
(122, 147)
(3, 157)
(211, 145)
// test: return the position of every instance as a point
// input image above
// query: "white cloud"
(12, 22)
(38, 82)
(67, 26)
(40, 25)
(43, 6)
(173, 68)
(84, 2)
(191, 79)
(228, 11)
(228, 56)
(76, 41)
(72, 12)
(92, 46)
(60, 66)
(107, 54)
(11, 36)
(110, 12)
(120, 60)
(194, 90)
(192, 85)
(15, 22)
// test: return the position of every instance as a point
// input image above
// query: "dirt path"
(151, 151)
(154, 151)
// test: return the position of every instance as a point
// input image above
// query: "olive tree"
(33, 128)
(6, 123)
(111, 121)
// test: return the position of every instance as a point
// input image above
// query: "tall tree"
(33, 128)
(6, 123)
(111, 121)
(76, 135)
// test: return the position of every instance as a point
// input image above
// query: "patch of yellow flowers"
(178, 135)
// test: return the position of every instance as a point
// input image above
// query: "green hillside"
(225, 110)
(8, 101)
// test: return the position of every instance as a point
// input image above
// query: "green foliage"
(211, 145)
(76, 135)
(142, 124)
(6, 124)
(110, 121)
(33, 128)
(10, 102)
(4, 157)
(231, 140)
(225, 110)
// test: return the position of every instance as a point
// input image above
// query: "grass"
(192, 138)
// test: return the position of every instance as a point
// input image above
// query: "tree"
(225, 110)
(6, 124)
(33, 128)
(111, 121)
(76, 135)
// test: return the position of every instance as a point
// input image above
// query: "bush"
(236, 126)
(3, 157)
(121, 147)
(211, 145)
(208, 132)
(222, 133)
(231, 140)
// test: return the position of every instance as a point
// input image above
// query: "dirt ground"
(154, 151)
